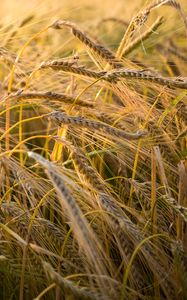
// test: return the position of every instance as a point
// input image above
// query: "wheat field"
(93, 140)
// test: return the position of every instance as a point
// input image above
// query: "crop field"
(93, 150)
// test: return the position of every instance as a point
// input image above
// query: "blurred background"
(86, 11)
(96, 8)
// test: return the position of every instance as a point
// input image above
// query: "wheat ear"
(122, 225)
(119, 221)
(80, 70)
(117, 217)
(179, 209)
(62, 118)
(172, 3)
(140, 20)
(99, 49)
(20, 95)
(136, 42)
(113, 19)
(148, 76)
(83, 233)
(68, 287)
(7, 56)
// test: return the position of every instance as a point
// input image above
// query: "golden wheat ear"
(172, 3)
(51, 96)
(140, 20)
(68, 286)
(62, 118)
(84, 235)
(76, 70)
(146, 75)
(143, 37)
(127, 233)
(97, 48)
(113, 19)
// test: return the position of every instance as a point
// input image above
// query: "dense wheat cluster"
(93, 139)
